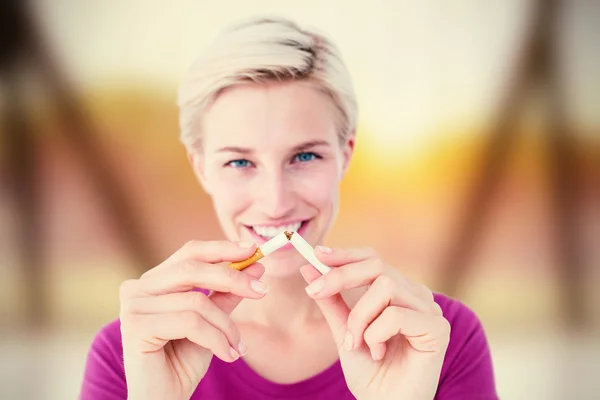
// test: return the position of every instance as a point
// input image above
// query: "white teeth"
(272, 231)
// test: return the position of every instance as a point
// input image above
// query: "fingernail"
(315, 287)
(349, 341)
(242, 348)
(245, 245)
(234, 354)
(324, 249)
(259, 287)
(374, 356)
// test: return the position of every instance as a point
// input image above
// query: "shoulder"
(108, 338)
(467, 335)
(457, 313)
(104, 374)
(465, 325)
(467, 369)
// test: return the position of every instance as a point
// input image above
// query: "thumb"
(229, 301)
(334, 308)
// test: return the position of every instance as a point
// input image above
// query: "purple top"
(467, 373)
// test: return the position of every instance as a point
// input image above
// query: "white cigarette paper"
(308, 252)
(274, 244)
(266, 248)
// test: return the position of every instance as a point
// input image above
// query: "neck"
(285, 307)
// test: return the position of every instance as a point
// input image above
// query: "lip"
(259, 240)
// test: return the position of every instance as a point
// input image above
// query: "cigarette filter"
(307, 252)
(263, 250)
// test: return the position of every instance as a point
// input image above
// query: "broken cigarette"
(279, 241)
(263, 250)
(308, 252)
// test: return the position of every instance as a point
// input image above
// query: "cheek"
(320, 187)
(230, 196)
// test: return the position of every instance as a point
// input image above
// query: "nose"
(275, 195)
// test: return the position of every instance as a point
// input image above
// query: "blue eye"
(306, 156)
(238, 163)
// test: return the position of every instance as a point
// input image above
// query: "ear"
(197, 162)
(348, 151)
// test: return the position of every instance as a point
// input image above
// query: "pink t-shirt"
(467, 373)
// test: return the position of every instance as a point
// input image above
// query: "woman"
(268, 119)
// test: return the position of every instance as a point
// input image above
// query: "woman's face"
(271, 160)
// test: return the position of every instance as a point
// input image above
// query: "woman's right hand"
(170, 332)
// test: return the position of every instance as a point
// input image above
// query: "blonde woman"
(268, 118)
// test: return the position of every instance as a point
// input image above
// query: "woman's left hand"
(393, 341)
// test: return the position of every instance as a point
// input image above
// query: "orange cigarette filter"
(240, 265)
(267, 248)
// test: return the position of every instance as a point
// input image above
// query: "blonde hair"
(259, 51)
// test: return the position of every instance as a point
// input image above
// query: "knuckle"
(370, 252)
(126, 289)
(197, 246)
(191, 244)
(437, 309)
(216, 340)
(222, 341)
(427, 293)
(126, 308)
(189, 267)
(390, 313)
(192, 247)
(234, 275)
(132, 323)
(197, 300)
(353, 319)
(445, 326)
(231, 328)
(368, 336)
(335, 277)
(378, 265)
(195, 321)
(385, 284)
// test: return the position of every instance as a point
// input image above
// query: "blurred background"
(477, 169)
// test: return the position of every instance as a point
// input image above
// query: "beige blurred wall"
(429, 77)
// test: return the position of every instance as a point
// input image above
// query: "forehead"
(281, 114)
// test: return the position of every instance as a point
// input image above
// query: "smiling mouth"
(269, 232)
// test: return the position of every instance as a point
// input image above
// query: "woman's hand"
(170, 332)
(393, 341)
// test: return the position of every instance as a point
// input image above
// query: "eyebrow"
(301, 147)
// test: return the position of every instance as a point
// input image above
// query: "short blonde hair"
(259, 51)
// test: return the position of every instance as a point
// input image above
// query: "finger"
(207, 251)
(360, 266)
(216, 251)
(365, 273)
(334, 308)
(341, 256)
(229, 301)
(424, 332)
(191, 273)
(347, 276)
(188, 301)
(155, 330)
(382, 293)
